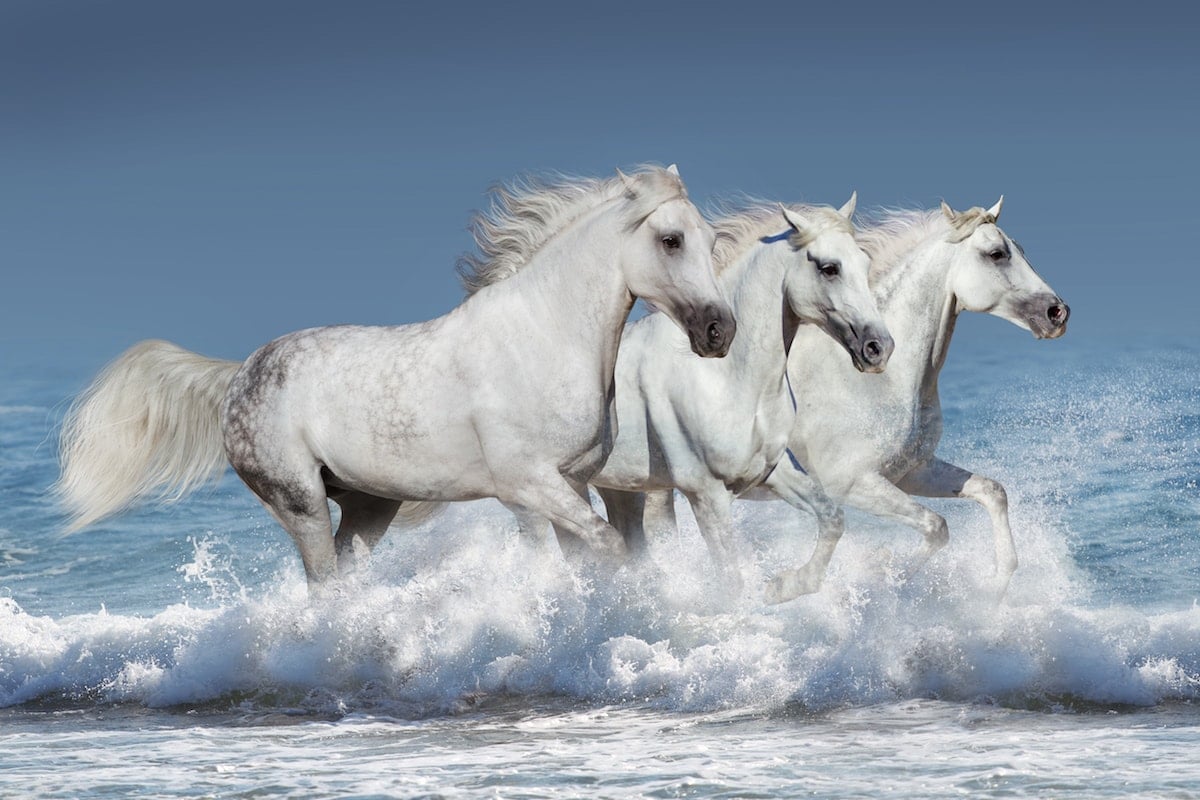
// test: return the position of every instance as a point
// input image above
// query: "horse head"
(826, 285)
(989, 273)
(667, 260)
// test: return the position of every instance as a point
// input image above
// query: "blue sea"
(173, 652)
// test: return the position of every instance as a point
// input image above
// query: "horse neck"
(574, 285)
(766, 326)
(921, 314)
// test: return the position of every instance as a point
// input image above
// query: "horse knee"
(936, 532)
(989, 493)
(837, 517)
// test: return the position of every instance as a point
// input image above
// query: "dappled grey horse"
(509, 395)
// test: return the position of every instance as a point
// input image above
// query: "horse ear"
(626, 180)
(949, 213)
(847, 210)
(797, 222)
(994, 211)
(674, 170)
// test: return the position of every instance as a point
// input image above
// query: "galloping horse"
(509, 395)
(871, 442)
(715, 429)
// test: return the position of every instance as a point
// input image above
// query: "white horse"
(871, 442)
(714, 429)
(508, 396)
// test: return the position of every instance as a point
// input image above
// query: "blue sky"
(219, 173)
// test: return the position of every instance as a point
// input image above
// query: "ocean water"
(172, 652)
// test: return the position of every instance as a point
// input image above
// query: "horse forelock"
(751, 222)
(648, 189)
(525, 214)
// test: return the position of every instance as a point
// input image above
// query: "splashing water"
(466, 631)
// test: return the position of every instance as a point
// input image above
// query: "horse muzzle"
(710, 330)
(872, 350)
(1047, 317)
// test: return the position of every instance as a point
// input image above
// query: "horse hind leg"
(299, 504)
(658, 513)
(365, 520)
(625, 513)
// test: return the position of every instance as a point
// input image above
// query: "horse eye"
(998, 255)
(830, 270)
(672, 241)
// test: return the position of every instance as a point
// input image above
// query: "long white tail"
(149, 425)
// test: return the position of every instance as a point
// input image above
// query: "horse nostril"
(715, 334)
(873, 350)
(1057, 313)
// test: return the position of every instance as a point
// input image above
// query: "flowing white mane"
(527, 213)
(890, 237)
(741, 227)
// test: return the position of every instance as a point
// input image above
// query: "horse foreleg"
(942, 479)
(566, 504)
(877, 495)
(365, 519)
(713, 510)
(625, 513)
(804, 492)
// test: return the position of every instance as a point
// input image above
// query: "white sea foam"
(461, 611)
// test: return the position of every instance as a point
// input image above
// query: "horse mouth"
(1054, 334)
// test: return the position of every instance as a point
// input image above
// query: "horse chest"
(742, 455)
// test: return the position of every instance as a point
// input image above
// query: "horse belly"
(364, 406)
(413, 444)
(625, 462)
(446, 467)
